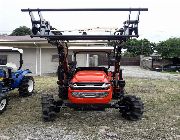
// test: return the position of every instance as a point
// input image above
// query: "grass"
(161, 119)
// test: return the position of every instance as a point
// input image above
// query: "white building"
(42, 58)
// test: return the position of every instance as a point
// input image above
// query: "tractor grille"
(89, 86)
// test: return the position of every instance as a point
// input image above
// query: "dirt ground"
(161, 120)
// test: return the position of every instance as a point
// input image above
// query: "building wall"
(50, 66)
(39, 60)
(29, 59)
(47, 66)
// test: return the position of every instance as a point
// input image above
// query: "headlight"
(72, 85)
(106, 85)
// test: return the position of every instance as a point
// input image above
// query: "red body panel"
(90, 77)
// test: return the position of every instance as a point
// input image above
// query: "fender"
(18, 76)
(2, 74)
(26, 72)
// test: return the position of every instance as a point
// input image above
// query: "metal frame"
(42, 28)
(88, 9)
(85, 37)
(87, 107)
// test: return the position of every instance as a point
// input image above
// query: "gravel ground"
(135, 71)
(161, 119)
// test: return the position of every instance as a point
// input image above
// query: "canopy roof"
(10, 49)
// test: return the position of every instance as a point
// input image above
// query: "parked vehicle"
(11, 79)
(169, 67)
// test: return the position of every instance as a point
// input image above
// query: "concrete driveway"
(135, 71)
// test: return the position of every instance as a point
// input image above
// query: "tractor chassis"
(93, 107)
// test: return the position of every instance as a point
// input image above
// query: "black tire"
(48, 108)
(27, 86)
(3, 103)
(58, 105)
(134, 108)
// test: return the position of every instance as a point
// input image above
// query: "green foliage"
(136, 47)
(128, 54)
(169, 48)
(22, 30)
(139, 47)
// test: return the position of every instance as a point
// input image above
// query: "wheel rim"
(30, 86)
(2, 104)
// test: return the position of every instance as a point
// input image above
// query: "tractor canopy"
(13, 50)
(10, 49)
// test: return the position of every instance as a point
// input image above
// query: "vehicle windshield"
(92, 59)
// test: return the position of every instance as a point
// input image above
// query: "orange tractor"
(89, 88)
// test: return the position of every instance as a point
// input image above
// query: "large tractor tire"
(48, 108)
(3, 103)
(133, 108)
(27, 86)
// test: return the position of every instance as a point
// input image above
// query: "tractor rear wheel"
(3, 103)
(27, 86)
(133, 108)
(48, 107)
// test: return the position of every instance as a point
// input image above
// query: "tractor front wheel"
(27, 86)
(48, 108)
(133, 108)
(3, 103)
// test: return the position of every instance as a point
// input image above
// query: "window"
(3, 59)
(100, 59)
(55, 58)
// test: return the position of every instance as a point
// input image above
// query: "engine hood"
(90, 76)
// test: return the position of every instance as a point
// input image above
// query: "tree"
(22, 30)
(169, 48)
(139, 47)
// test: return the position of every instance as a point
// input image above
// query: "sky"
(159, 23)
